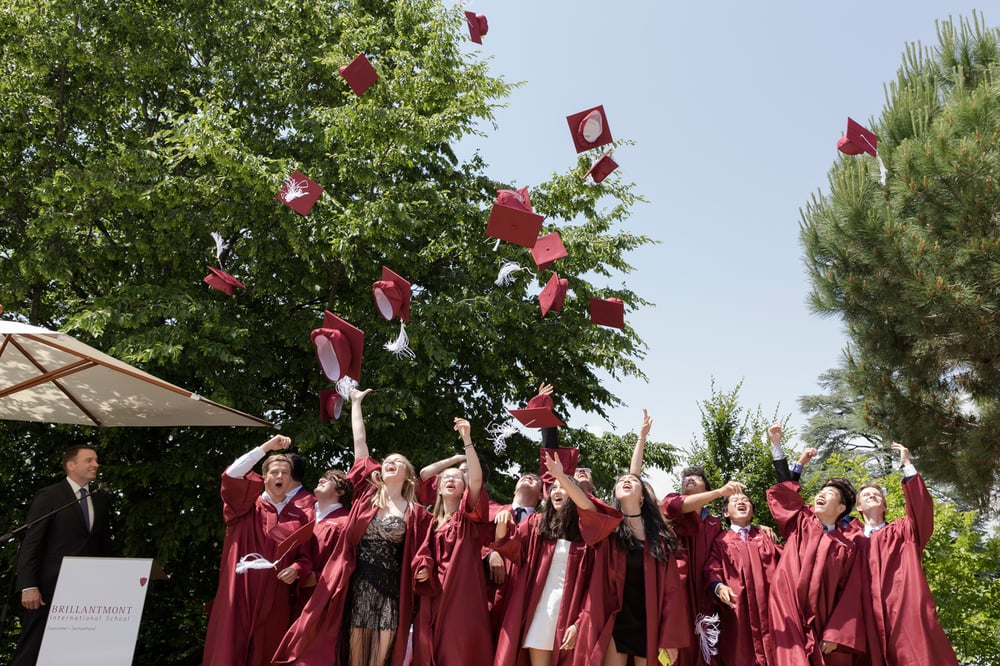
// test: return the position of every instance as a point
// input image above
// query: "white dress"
(542, 630)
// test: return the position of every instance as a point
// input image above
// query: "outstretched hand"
(647, 423)
(807, 455)
(904, 453)
(774, 433)
(554, 465)
(463, 428)
(545, 389)
(357, 396)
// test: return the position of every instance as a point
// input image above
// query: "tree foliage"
(130, 131)
(732, 447)
(912, 266)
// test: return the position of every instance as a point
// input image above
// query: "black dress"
(375, 582)
(630, 623)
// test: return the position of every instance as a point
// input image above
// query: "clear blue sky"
(735, 108)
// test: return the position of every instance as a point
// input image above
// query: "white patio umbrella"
(51, 377)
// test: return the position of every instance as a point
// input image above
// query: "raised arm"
(573, 491)
(358, 424)
(698, 500)
(472, 460)
(635, 467)
(439, 466)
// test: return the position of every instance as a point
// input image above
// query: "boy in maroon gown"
(252, 610)
(815, 601)
(906, 627)
(738, 573)
(696, 530)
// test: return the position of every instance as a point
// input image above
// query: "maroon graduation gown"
(909, 632)
(324, 538)
(457, 616)
(314, 638)
(695, 535)
(251, 611)
(497, 595)
(668, 624)
(533, 555)
(816, 591)
(747, 567)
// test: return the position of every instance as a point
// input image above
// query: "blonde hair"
(276, 457)
(380, 499)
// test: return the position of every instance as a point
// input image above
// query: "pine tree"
(912, 266)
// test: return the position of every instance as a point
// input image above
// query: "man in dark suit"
(81, 529)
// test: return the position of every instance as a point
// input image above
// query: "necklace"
(632, 515)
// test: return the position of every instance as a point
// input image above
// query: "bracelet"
(469, 446)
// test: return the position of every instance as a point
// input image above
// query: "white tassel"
(507, 272)
(344, 386)
(707, 628)
(401, 345)
(220, 246)
(882, 171)
(253, 561)
(498, 434)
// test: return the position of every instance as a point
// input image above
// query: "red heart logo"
(142, 581)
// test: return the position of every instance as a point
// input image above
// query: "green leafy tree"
(911, 266)
(732, 447)
(131, 131)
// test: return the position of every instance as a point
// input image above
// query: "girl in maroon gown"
(554, 551)
(367, 588)
(636, 604)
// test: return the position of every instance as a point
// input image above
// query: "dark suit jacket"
(63, 534)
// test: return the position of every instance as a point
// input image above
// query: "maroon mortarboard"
(601, 168)
(477, 26)
(513, 220)
(223, 281)
(538, 413)
(858, 140)
(331, 404)
(299, 193)
(392, 296)
(568, 457)
(553, 295)
(359, 74)
(607, 312)
(294, 540)
(547, 249)
(339, 346)
(590, 129)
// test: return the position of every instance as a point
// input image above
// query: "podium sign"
(95, 611)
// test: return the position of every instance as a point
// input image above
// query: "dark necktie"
(519, 514)
(83, 505)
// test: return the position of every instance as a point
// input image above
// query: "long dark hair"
(560, 523)
(660, 537)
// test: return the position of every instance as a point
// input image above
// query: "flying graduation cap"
(339, 346)
(478, 26)
(601, 168)
(512, 219)
(589, 129)
(547, 250)
(859, 139)
(607, 312)
(299, 193)
(553, 295)
(359, 74)
(392, 299)
(223, 281)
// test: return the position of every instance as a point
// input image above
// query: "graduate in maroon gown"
(907, 630)
(384, 499)
(636, 602)
(333, 493)
(500, 572)
(738, 573)
(457, 616)
(696, 530)
(554, 553)
(815, 602)
(252, 610)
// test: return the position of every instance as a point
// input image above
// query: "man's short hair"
(71, 453)
(298, 464)
(847, 493)
(342, 484)
(696, 470)
(273, 458)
